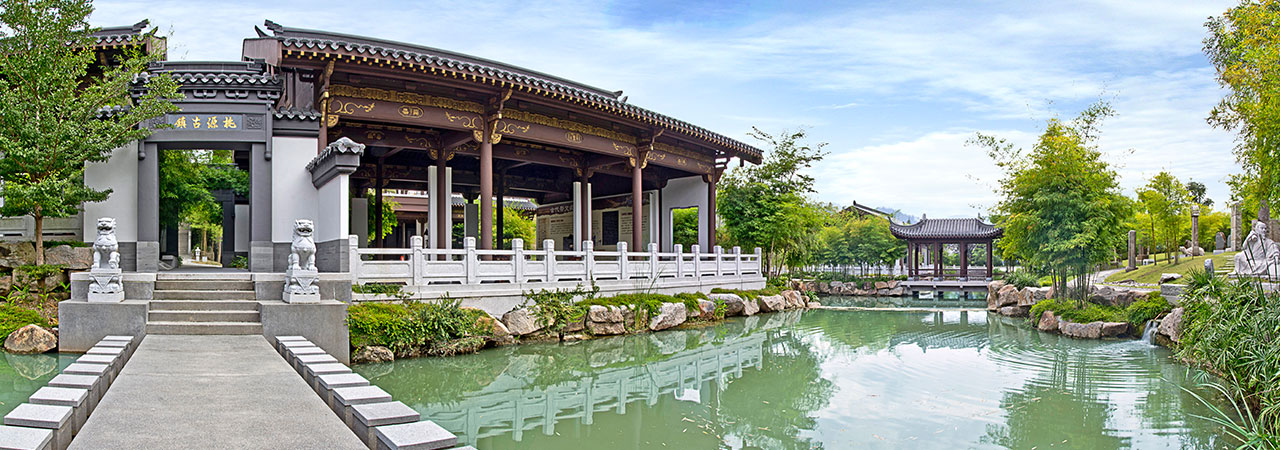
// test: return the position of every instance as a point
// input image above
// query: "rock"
(1171, 325)
(1015, 311)
(1104, 295)
(1031, 296)
(493, 326)
(1114, 329)
(993, 295)
(573, 338)
(1167, 277)
(772, 303)
(750, 307)
(74, 258)
(1048, 322)
(812, 305)
(521, 322)
(6, 284)
(575, 326)
(30, 339)
(882, 285)
(894, 284)
(628, 317)
(372, 354)
(669, 315)
(897, 291)
(599, 313)
(14, 254)
(606, 328)
(732, 302)
(707, 309)
(1091, 330)
(1009, 295)
(794, 299)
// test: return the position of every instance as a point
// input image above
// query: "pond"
(811, 379)
(23, 375)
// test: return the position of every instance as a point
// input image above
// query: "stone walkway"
(211, 392)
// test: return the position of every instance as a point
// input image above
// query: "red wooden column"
(486, 186)
(991, 269)
(636, 205)
(443, 202)
(937, 262)
(584, 211)
(964, 259)
(711, 179)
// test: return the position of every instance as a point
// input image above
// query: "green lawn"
(1150, 274)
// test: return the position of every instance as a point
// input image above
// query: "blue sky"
(894, 88)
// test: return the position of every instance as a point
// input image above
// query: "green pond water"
(831, 379)
(23, 375)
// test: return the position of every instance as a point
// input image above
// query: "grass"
(13, 318)
(1136, 314)
(1150, 274)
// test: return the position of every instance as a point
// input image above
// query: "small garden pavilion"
(933, 235)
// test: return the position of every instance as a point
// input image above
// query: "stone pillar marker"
(1234, 244)
(1133, 251)
(1195, 231)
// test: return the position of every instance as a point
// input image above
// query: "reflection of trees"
(782, 398)
(1062, 406)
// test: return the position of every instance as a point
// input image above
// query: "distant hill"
(898, 216)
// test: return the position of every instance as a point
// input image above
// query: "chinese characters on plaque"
(206, 121)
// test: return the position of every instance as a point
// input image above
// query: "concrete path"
(211, 392)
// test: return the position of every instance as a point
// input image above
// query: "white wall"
(120, 174)
(292, 195)
(683, 193)
(332, 215)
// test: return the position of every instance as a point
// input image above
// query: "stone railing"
(420, 266)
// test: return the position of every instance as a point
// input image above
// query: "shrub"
(557, 309)
(1022, 279)
(1142, 311)
(13, 318)
(444, 320)
(404, 328)
(394, 290)
(749, 295)
(1068, 310)
(382, 324)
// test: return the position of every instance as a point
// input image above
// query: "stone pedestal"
(1195, 232)
(1235, 237)
(301, 286)
(1133, 250)
(105, 286)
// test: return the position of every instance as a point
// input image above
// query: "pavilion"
(932, 236)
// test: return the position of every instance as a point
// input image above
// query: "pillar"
(261, 248)
(470, 211)
(584, 208)
(991, 268)
(501, 203)
(911, 258)
(148, 253)
(636, 203)
(964, 260)
(486, 187)
(443, 207)
(712, 180)
(378, 183)
(1195, 231)
(1234, 244)
(937, 262)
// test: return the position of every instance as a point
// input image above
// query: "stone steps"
(204, 285)
(233, 328)
(195, 276)
(203, 295)
(247, 316)
(203, 305)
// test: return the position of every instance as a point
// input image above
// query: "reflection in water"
(23, 375)
(812, 379)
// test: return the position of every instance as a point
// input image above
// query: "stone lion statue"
(302, 253)
(106, 251)
(1259, 256)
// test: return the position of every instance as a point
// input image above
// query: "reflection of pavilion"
(514, 410)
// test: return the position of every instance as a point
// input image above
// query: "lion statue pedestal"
(105, 274)
(301, 279)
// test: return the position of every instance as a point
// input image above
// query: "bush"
(406, 328)
(382, 324)
(1022, 279)
(749, 295)
(1142, 311)
(394, 290)
(557, 309)
(1068, 310)
(13, 318)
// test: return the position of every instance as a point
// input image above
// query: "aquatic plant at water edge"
(556, 309)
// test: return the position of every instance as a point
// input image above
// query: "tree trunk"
(39, 219)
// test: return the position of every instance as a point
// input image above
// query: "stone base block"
(301, 298)
(26, 438)
(424, 434)
(106, 297)
(82, 324)
(323, 323)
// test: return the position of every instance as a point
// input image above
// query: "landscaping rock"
(74, 258)
(628, 317)
(707, 309)
(794, 299)
(576, 326)
(492, 326)
(372, 354)
(669, 315)
(521, 322)
(1008, 296)
(6, 284)
(732, 303)
(1114, 329)
(14, 254)
(1015, 311)
(1167, 277)
(599, 313)
(750, 307)
(812, 305)
(772, 303)
(1091, 330)
(897, 291)
(1171, 325)
(1048, 322)
(1033, 295)
(606, 328)
(993, 295)
(1104, 295)
(882, 285)
(30, 339)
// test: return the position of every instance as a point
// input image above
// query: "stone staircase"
(1227, 267)
(199, 303)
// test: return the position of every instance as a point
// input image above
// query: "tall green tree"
(1244, 47)
(1198, 195)
(684, 226)
(1060, 205)
(1168, 203)
(767, 205)
(55, 116)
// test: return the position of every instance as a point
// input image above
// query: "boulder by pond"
(606, 328)
(669, 315)
(1048, 322)
(772, 303)
(1091, 330)
(30, 339)
(794, 299)
(733, 304)
(1015, 311)
(1009, 295)
(993, 295)
(707, 309)
(521, 322)
(372, 354)
(1171, 325)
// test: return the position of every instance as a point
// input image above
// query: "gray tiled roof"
(946, 229)
(107, 36)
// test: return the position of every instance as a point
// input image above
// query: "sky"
(894, 88)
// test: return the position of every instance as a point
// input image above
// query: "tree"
(766, 205)
(684, 226)
(1060, 203)
(1245, 51)
(1197, 191)
(1167, 203)
(389, 219)
(55, 117)
(515, 225)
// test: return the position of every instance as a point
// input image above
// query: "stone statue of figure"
(1259, 256)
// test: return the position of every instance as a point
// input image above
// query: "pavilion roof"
(967, 228)
(496, 73)
(120, 36)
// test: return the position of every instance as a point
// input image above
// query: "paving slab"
(211, 392)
